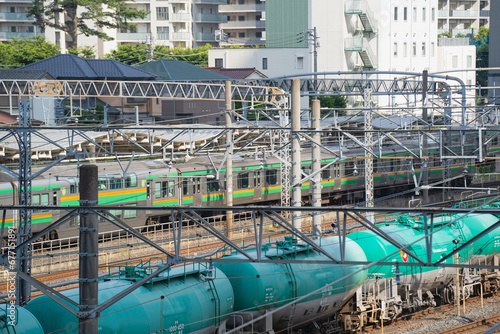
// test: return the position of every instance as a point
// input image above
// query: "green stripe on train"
(188, 201)
(356, 180)
(244, 194)
(6, 191)
(211, 198)
(271, 191)
(125, 198)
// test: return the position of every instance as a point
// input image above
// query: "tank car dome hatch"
(15, 319)
(182, 298)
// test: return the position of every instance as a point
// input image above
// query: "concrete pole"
(89, 250)
(229, 161)
(296, 175)
(316, 165)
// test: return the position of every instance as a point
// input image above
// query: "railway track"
(475, 327)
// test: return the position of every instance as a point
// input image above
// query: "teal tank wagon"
(15, 319)
(260, 287)
(178, 301)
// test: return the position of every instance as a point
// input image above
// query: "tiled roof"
(71, 67)
(18, 74)
(235, 73)
(175, 70)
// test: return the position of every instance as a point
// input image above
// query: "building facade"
(463, 17)
(245, 22)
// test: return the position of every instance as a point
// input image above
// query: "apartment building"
(13, 20)
(245, 22)
(462, 17)
(173, 23)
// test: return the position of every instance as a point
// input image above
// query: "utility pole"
(150, 43)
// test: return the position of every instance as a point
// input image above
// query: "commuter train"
(214, 298)
(197, 183)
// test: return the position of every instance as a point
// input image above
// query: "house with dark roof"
(187, 111)
(71, 67)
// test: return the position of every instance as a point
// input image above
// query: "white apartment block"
(461, 17)
(13, 20)
(173, 23)
(245, 22)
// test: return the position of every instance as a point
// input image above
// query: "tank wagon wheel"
(448, 295)
(153, 224)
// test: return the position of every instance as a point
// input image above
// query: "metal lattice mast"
(23, 254)
(367, 95)
(284, 155)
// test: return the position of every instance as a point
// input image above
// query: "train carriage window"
(158, 190)
(54, 198)
(130, 180)
(271, 177)
(45, 199)
(198, 185)
(115, 182)
(349, 168)
(325, 174)
(130, 213)
(35, 200)
(102, 183)
(306, 169)
(117, 213)
(243, 181)
(213, 186)
(171, 188)
(336, 170)
(73, 186)
(185, 187)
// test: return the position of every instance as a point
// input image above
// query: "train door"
(149, 193)
(257, 185)
(197, 191)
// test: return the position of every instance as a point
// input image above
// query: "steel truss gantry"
(276, 95)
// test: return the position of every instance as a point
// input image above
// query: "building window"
(395, 13)
(241, 35)
(258, 34)
(423, 49)
(414, 14)
(300, 63)
(433, 14)
(241, 18)
(432, 49)
(395, 49)
(219, 62)
(405, 14)
(454, 61)
(12, 9)
(162, 13)
(405, 49)
(424, 14)
(414, 49)
(264, 63)
(469, 61)
(162, 33)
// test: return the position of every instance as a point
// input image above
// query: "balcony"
(207, 18)
(211, 2)
(249, 8)
(465, 32)
(464, 13)
(133, 36)
(180, 17)
(484, 13)
(244, 41)
(7, 35)
(15, 17)
(204, 37)
(180, 1)
(146, 18)
(181, 36)
(250, 24)
(443, 13)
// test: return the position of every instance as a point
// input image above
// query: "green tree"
(84, 17)
(139, 53)
(87, 52)
(481, 41)
(22, 51)
(332, 102)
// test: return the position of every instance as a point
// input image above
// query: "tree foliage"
(23, 51)
(85, 17)
(140, 53)
(87, 52)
